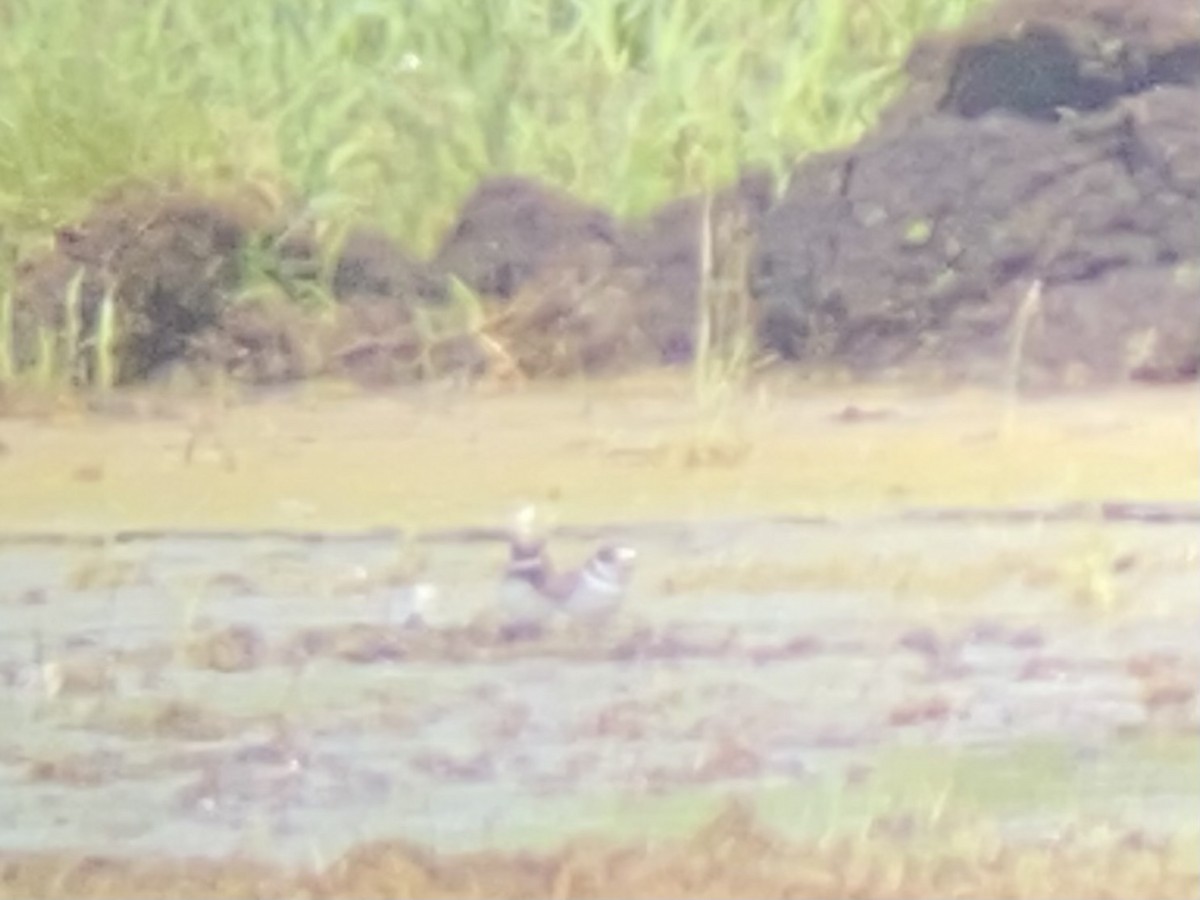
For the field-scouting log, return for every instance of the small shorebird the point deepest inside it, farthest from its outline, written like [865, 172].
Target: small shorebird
[523, 606]
[412, 605]
[533, 593]
[592, 594]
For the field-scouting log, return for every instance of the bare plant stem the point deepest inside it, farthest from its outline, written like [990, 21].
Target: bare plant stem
[1026, 313]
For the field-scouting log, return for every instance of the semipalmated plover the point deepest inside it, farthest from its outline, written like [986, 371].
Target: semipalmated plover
[411, 606]
[523, 607]
[533, 593]
[592, 594]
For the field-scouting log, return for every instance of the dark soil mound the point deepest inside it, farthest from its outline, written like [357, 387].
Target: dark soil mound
[366, 263]
[211, 284]
[389, 323]
[168, 259]
[1049, 143]
[581, 293]
[548, 268]
[572, 292]
[511, 228]
[666, 247]
[1045, 157]
[581, 315]
[1035, 57]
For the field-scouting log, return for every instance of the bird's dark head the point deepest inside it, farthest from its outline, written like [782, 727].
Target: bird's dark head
[617, 555]
[614, 563]
[527, 559]
[526, 552]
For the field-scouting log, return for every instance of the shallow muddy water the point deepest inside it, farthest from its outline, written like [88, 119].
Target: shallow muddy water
[206, 695]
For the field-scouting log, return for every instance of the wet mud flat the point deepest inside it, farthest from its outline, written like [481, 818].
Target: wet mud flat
[252, 695]
[868, 616]
[327, 456]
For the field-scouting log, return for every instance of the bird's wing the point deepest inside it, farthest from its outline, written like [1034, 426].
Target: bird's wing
[559, 586]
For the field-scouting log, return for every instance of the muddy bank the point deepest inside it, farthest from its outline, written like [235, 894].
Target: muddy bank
[1085, 864]
[623, 451]
[1032, 195]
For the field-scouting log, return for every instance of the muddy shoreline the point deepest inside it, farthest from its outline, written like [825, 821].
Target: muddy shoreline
[634, 451]
[1102, 512]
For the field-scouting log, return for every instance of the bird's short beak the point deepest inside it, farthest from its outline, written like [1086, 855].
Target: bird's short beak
[626, 555]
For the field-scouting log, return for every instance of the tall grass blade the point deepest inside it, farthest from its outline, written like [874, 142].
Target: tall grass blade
[8, 367]
[71, 327]
[106, 342]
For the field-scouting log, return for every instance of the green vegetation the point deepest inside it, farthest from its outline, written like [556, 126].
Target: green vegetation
[935, 792]
[392, 111]
[726, 335]
[62, 359]
[8, 366]
[389, 112]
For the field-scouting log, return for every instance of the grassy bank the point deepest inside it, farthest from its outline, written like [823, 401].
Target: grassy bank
[391, 111]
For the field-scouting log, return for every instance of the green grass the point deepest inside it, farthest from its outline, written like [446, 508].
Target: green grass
[726, 334]
[935, 788]
[392, 111]
[73, 358]
[388, 112]
[8, 366]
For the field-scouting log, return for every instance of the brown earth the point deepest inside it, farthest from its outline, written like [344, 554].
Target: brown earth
[1031, 198]
[331, 456]
[1045, 142]
[1035, 57]
[169, 260]
[733, 857]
